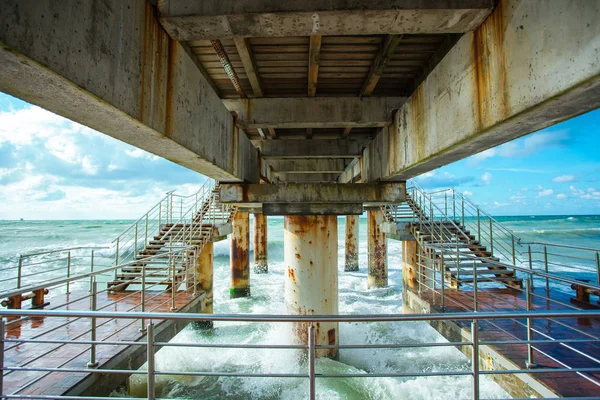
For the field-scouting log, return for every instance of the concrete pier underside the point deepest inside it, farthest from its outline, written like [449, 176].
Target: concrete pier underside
[311, 286]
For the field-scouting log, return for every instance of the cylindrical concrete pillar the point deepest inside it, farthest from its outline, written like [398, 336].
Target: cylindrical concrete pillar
[260, 244]
[378, 273]
[409, 265]
[311, 285]
[240, 255]
[351, 243]
[204, 275]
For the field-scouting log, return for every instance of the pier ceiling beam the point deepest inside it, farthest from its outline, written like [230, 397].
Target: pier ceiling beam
[316, 148]
[110, 65]
[195, 20]
[314, 112]
[309, 166]
[307, 193]
[511, 76]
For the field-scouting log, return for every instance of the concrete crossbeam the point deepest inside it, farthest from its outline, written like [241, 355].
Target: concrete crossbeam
[315, 148]
[308, 166]
[312, 209]
[377, 193]
[211, 19]
[512, 76]
[315, 112]
[109, 65]
[302, 177]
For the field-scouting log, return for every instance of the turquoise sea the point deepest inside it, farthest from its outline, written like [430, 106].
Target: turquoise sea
[267, 298]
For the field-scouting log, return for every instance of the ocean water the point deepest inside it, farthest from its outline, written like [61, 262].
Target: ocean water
[267, 298]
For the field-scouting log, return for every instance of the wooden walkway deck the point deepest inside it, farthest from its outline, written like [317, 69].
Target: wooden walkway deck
[573, 355]
[57, 355]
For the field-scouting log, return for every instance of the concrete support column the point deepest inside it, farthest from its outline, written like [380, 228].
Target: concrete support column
[311, 285]
[240, 255]
[204, 275]
[260, 244]
[351, 243]
[410, 267]
[378, 273]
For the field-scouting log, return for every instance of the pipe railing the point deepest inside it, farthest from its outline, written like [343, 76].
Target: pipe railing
[312, 374]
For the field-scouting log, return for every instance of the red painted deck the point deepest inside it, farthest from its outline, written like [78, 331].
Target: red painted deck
[72, 329]
[567, 384]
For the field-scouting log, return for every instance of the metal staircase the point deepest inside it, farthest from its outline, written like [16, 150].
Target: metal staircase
[176, 222]
[446, 237]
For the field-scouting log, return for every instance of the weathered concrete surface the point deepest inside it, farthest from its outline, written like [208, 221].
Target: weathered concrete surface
[351, 255]
[191, 20]
[530, 65]
[352, 173]
[516, 385]
[410, 266]
[315, 112]
[296, 177]
[393, 192]
[312, 209]
[204, 275]
[397, 231]
[109, 65]
[240, 255]
[377, 250]
[308, 166]
[261, 265]
[311, 285]
[315, 148]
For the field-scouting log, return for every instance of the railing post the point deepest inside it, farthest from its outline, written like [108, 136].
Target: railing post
[491, 236]
[514, 255]
[474, 286]
[135, 241]
[475, 358]
[478, 226]
[143, 296]
[19, 271]
[443, 267]
[530, 262]
[159, 215]
[463, 210]
[445, 203]
[173, 284]
[150, 360]
[453, 205]
[2, 329]
[93, 363]
[91, 270]
[146, 233]
[68, 271]
[312, 355]
[180, 208]
[457, 265]
[546, 269]
[530, 360]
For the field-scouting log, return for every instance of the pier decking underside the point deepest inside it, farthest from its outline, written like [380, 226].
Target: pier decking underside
[514, 356]
[68, 354]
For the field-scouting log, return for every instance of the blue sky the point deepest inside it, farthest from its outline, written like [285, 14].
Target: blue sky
[53, 168]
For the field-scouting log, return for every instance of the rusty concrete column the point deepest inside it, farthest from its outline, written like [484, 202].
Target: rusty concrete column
[204, 281]
[410, 266]
[240, 255]
[351, 243]
[260, 244]
[378, 273]
[311, 285]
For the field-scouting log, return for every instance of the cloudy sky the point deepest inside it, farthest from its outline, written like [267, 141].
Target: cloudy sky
[52, 168]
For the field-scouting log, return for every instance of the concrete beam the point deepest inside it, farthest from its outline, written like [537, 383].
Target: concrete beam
[312, 209]
[315, 148]
[315, 112]
[376, 193]
[512, 76]
[308, 166]
[109, 65]
[352, 172]
[210, 19]
[302, 177]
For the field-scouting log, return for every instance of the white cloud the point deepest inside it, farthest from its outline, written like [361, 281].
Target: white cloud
[486, 178]
[545, 192]
[561, 196]
[468, 193]
[576, 192]
[564, 178]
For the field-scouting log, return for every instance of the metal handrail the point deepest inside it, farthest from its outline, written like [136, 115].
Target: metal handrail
[63, 250]
[143, 216]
